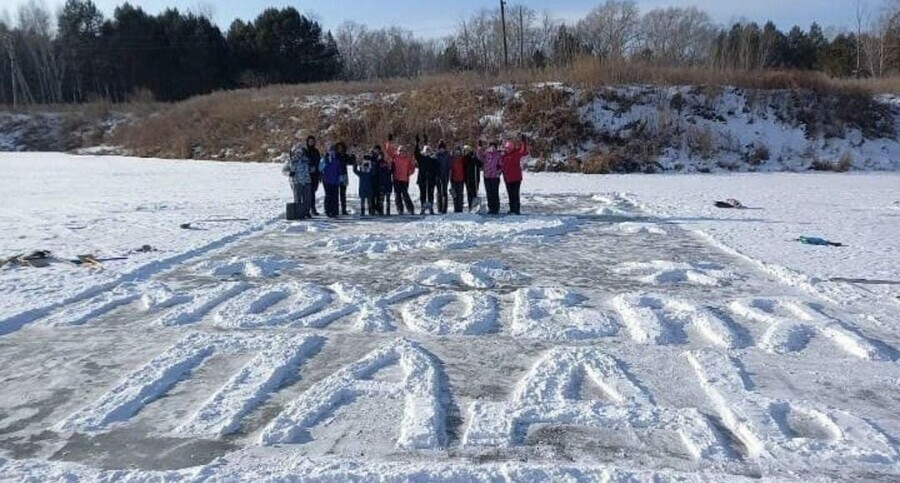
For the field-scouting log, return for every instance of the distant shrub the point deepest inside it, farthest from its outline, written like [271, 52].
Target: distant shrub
[757, 154]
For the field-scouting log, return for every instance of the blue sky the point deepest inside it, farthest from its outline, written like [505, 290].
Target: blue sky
[437, 18]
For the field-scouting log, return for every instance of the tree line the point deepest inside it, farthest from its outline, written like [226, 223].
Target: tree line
[170, 56]
[80, 55]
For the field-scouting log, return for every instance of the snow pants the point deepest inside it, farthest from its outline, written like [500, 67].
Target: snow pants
[472, 191]
[442, 195]
[492, 185]
[384, 203]
[457, 191]
[332, 200]
[314, 189]
[426, 194]
[377, 206]
[403, 199]
[370, 202]
[302, 199]
[515, 204]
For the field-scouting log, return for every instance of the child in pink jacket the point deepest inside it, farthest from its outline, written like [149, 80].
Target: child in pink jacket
[491, 158]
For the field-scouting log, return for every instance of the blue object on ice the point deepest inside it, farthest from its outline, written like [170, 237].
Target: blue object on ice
[820, 242]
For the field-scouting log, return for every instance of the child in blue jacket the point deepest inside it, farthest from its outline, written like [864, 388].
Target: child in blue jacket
[368, 175]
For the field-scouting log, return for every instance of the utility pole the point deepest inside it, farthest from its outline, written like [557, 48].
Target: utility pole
[859, 20]
[505, 42]
[521, 36]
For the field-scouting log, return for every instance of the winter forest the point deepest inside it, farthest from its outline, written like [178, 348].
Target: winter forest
[78, 54]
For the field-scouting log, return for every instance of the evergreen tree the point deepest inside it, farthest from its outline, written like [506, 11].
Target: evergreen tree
[839, 58]
[79, 27]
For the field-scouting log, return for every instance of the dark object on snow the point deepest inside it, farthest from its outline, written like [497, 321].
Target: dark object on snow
[43, 258]
[730, 203]
[190, 226]
[37, 259]
[819, 242]
[865, 281]
[291, 212]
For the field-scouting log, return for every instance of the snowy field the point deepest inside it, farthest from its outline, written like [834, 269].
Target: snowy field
[623, 330]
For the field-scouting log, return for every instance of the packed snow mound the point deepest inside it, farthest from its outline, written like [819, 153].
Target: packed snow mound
[266, 267]
[662, 272]
[453, 233]
[449, 273]
[453, 313]
[557, 313]
[634, 228]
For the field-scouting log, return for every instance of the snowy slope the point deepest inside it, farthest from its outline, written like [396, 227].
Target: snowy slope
[623, 330]
[731, 129]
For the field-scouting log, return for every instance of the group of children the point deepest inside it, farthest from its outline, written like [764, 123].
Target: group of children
[384, 171]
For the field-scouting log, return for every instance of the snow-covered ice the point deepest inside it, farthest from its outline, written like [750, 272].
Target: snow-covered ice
[624, 329]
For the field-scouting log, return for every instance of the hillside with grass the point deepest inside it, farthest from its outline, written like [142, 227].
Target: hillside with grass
[591, 117]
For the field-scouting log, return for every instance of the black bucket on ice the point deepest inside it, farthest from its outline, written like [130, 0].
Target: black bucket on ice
[291, 212]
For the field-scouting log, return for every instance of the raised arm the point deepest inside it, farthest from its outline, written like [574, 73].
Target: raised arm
[479, 152]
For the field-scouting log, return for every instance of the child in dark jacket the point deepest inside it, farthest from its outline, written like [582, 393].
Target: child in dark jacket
[385, 182]
[442, 178]
[428, 174]
[472, 166]
[367, 177]
[376, 156]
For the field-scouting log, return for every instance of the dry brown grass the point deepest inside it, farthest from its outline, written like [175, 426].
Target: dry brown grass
[257, 124]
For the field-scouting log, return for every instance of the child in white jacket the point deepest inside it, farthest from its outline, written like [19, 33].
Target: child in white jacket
[296, 168]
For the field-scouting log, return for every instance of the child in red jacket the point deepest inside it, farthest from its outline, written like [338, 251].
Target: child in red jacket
[511, 166]
[457, 178]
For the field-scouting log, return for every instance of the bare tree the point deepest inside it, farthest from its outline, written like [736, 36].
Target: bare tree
[677, 35]
[34, 45]
[611, 29]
